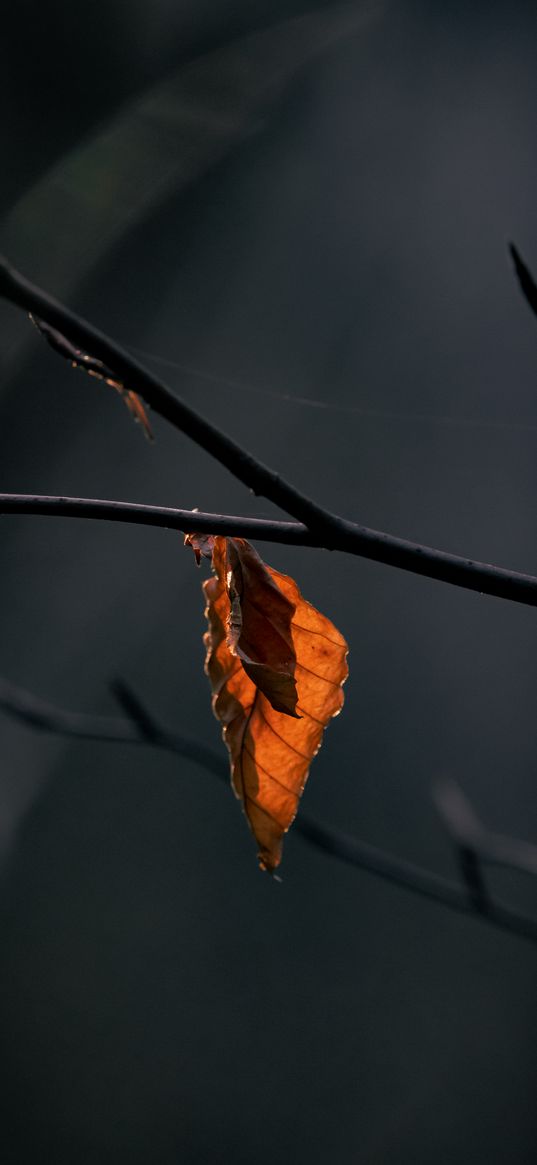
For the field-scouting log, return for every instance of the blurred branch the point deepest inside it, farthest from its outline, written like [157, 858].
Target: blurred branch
[140, 727]
[469, 833]
[325, 529]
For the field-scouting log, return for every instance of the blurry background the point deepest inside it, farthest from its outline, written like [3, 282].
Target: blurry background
[305, 211]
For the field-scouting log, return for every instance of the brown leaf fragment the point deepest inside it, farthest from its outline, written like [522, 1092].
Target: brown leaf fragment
[136, 408]
[96, 368]
[259, 620]
[201, 544]
[259, 626]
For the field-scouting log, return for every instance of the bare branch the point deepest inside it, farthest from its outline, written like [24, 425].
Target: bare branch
[325, 528]
[187, 521]
[410, 556]
[141, 727]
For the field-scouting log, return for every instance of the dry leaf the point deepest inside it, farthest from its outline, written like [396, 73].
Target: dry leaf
[276, 667]
[95, 368]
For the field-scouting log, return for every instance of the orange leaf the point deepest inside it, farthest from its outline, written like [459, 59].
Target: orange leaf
[96, 368]
[276, 667]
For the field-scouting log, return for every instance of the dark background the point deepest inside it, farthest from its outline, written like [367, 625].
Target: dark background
[307, 203]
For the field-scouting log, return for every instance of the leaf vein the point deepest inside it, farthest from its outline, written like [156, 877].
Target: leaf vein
[310, 631]
[262, 809]
[332, 683]
[282, 738]
[269, 774]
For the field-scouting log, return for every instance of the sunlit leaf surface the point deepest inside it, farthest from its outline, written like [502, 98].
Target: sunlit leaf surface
[276, 667]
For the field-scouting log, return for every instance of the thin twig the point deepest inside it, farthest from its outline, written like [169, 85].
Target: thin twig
[187, 521]
[410, 556]
[141, 727]
[325, 528]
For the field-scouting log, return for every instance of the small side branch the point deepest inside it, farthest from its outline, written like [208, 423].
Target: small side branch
[140, 727]
[164, 517]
